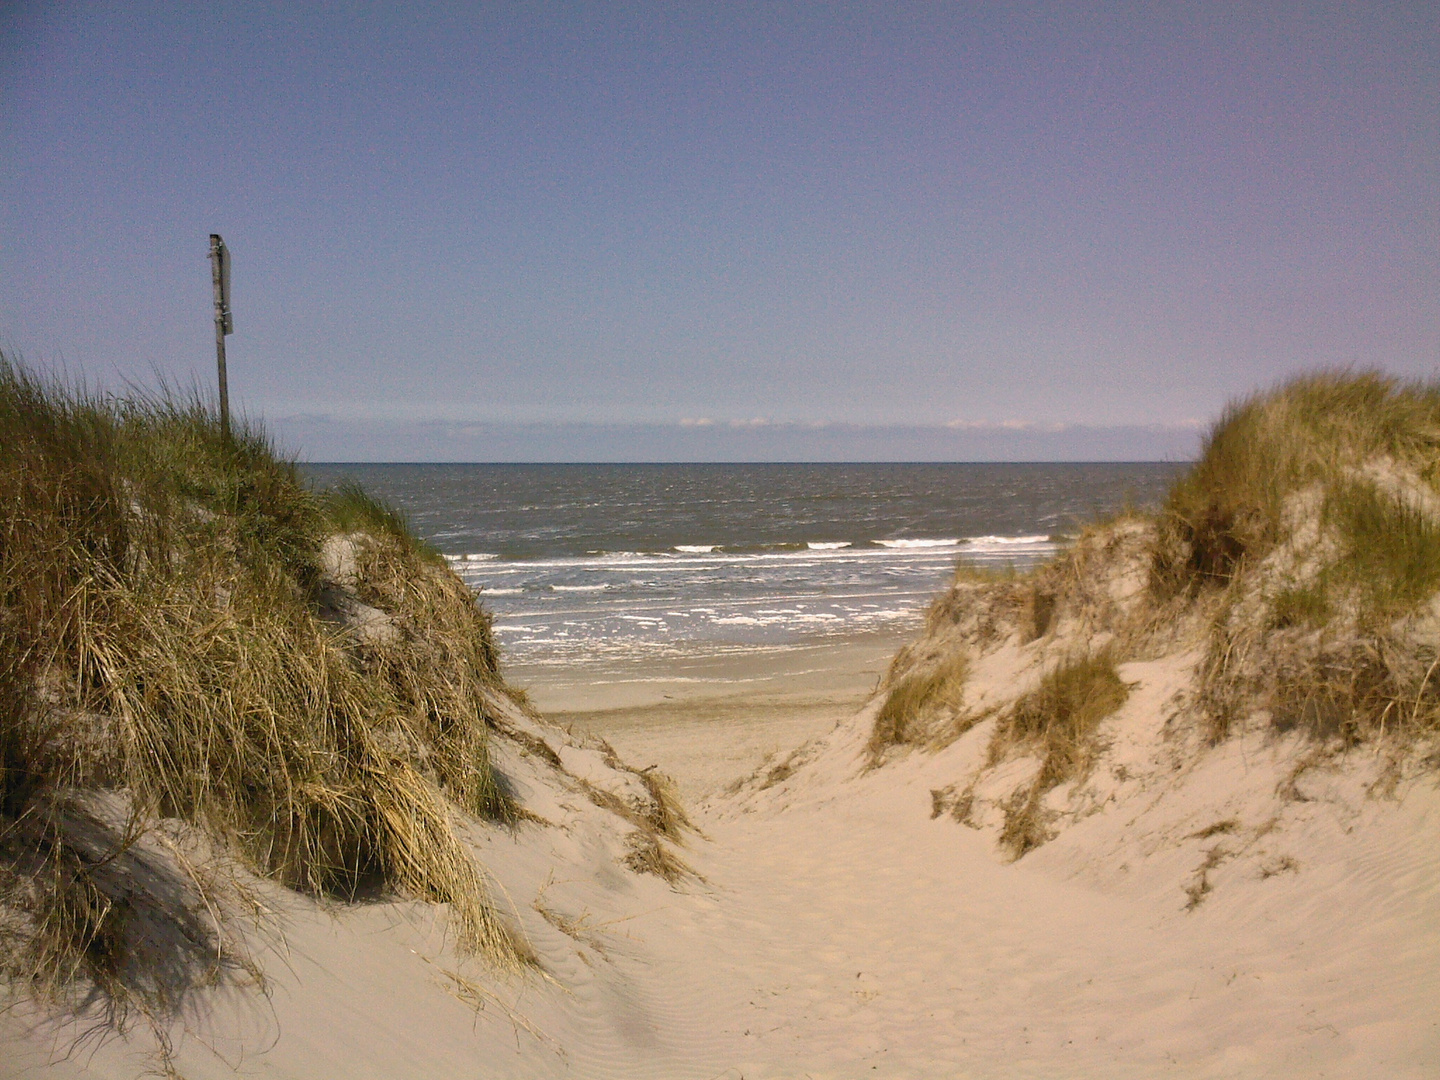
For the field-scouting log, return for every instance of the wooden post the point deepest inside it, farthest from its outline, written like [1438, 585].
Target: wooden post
[224, 324]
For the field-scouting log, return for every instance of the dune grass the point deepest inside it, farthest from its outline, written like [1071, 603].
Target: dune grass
[1354, 459]
[647, 855]
[916, 697]
[439, 666]
[1229, 508]
[349, 508]
[1306, 605]
[1392, 547]
[1059, 717]
[1057, 721]
[162, 657]
[967, 572]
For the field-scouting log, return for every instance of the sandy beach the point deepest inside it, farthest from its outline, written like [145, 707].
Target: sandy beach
[709, 721]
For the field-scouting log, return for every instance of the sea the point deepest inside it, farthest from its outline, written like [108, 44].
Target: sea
[606, 565]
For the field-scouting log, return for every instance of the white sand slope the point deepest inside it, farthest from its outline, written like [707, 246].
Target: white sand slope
[879, 941]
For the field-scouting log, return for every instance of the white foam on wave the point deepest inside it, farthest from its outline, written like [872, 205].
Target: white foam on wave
[950, 542]
[579, 588]
[503, 592]
[966, 541]
[827, 545]
[696, 549]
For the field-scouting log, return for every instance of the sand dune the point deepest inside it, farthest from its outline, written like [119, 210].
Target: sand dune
[841, 931]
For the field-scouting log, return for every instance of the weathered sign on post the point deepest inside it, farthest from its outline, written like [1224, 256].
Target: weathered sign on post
[224, 323]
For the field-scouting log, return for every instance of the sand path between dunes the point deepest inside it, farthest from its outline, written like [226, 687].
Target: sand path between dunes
[709, 720]
[861, 939]
[848, 935]
[841, 932]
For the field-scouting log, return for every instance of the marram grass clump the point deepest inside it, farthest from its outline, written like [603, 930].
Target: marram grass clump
[917, 699]
[1314, 512]
[165, 657]
[440, 655]
[1329, 430]
[1058, 722]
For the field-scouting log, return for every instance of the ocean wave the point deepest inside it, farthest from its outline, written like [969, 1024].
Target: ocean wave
[970, 542]
[754, 549]
[950, 542]
[685, 562]
[696, 549]
[503, 592]
[579, 588]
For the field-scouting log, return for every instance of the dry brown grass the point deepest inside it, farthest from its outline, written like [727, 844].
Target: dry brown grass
[1058, 722]
[667, 814]
[1228, 510]
[1324, 673]
[1025, 825]
[1200, 884]
[439, 665]
[916, 700]
[973, 573]
[1324, 651]
[1058, 719]
[647, 854]
[160, 638]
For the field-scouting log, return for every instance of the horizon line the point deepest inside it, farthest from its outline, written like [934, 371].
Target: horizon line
[870, 461]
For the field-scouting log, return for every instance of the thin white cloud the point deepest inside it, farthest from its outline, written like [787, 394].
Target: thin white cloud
[1005, 425]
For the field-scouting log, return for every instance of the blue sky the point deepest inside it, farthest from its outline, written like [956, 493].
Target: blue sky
[734, 231]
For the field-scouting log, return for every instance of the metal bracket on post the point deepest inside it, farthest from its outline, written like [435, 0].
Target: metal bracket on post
[224, 323]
